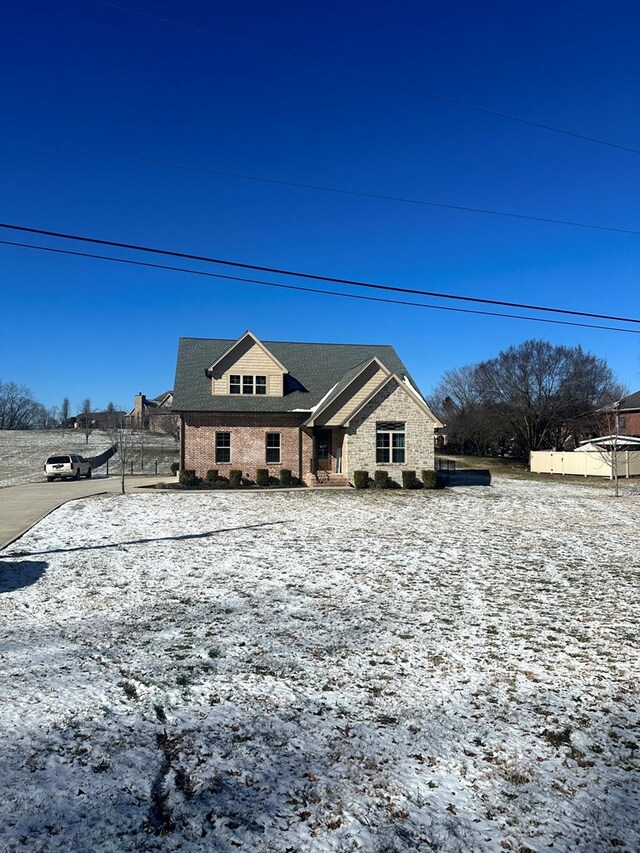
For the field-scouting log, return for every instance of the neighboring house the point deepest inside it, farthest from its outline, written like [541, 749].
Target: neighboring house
[155, 415]
[621, 417]
[321, 410]
[629, 415]
[98, 420]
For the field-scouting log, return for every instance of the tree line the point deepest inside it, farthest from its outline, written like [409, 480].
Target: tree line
[534, 396]
[20, 410]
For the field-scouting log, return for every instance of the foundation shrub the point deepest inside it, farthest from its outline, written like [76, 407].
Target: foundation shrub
[235, 478]
[188, 479]
[285, 477]
[410, 481]
[429, 479]
[212, 476]
[361, 479]
[262, 477]
[382, 479]
[220, 483]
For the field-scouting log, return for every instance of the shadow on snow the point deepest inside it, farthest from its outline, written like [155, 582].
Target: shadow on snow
[15, 576]
[184, 537]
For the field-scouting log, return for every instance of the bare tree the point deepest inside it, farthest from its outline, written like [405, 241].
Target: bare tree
[527, 395]
[167, 424]
[612, 442]
[470, 427]
[123, 437]
[64, 413]
[140, 438]
[86, 419]
[44, 418]
[17, 406]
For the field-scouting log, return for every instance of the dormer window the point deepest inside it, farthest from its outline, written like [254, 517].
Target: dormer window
[247, 384]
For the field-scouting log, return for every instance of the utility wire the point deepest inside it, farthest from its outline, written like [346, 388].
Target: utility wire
[357, 75]
[314, 289]
[311, 276]
[317, 187]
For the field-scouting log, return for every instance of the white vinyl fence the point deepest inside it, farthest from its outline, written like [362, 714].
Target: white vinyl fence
[586, 463]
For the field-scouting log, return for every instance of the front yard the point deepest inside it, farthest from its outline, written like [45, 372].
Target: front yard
[305, 671]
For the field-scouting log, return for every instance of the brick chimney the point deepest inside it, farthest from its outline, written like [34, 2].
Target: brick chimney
[138, 408]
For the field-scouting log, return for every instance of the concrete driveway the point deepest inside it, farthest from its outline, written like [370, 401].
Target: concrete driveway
[23, 506]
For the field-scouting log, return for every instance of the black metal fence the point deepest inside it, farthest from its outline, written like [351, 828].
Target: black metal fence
[445, 464]
[152, 466]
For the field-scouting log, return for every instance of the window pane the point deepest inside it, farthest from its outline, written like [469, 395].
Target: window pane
[261, 384]
[247, 384]
[398, 446]
[273, 447]
[223, 447]
[382, 447]
[234, 384]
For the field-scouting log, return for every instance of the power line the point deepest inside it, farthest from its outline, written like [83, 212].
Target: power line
[318, 187]
[357, 75]
[295, 287]
[312, 276]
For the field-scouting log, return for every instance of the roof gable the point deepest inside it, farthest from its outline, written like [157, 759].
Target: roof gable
[405, 386]
[359, 378]
[240, 348]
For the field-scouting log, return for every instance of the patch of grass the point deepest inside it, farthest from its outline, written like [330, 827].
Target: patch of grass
[130, 690]
[559, 737]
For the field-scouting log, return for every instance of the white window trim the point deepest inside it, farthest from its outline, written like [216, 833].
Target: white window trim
[253, 377]
[391, 433]
[216, 448]
[267, 448]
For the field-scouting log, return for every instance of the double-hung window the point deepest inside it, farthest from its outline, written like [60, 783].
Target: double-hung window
[223, 447]
[273, 447]
[390, 442]
[234, 384]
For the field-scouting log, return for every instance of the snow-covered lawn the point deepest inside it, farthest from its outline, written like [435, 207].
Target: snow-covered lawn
[24, 452]
[306, 671]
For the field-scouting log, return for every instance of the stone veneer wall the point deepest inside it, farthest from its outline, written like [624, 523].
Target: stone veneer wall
[392, 403]
[248, 443]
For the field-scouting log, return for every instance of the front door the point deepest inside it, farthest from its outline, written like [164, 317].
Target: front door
[323, 449]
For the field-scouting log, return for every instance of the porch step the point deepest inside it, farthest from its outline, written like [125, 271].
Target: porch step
[335, 481]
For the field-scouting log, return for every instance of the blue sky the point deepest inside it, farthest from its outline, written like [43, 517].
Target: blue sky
[89, 76]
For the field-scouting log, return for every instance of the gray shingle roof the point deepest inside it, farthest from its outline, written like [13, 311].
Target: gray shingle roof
[314, 369]
[630, 402]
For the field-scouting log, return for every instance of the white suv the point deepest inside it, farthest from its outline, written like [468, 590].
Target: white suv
[67, 467]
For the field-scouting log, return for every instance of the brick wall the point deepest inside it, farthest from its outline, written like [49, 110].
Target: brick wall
[248, 442]
[392, 403]
[631, 423]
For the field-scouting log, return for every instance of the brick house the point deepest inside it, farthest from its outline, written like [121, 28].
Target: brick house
[320, 410]
[629, 415]
[155, 415]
